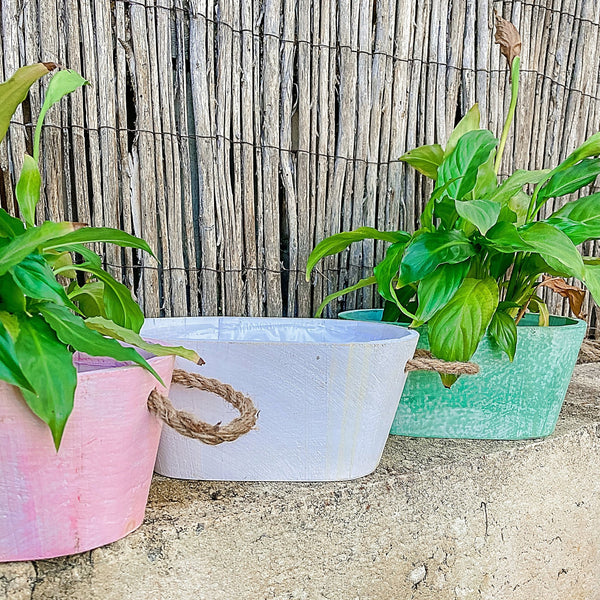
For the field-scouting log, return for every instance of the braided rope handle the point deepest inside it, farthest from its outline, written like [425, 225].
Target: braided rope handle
[188, 425]
[423, 361]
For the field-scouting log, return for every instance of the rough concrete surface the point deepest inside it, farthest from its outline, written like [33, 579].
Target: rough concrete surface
[439, 519]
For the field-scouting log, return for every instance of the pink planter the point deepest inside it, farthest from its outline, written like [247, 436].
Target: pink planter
[94, 490]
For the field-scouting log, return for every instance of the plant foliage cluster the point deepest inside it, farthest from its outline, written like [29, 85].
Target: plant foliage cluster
[474, 265]
[43, 322]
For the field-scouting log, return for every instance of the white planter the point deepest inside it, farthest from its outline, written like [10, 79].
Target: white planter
[327, 392]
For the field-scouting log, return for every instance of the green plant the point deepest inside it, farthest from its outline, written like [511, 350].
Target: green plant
[474, 265]
[42, 322]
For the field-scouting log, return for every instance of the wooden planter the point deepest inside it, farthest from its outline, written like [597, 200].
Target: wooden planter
[93, 491]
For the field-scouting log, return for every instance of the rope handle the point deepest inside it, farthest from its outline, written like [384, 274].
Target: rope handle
[424, 361]
[188, 425]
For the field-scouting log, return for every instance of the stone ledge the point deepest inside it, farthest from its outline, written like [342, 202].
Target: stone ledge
[439, 519]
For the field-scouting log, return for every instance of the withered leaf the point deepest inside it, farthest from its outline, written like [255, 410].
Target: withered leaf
[574, 294]
[509, 39]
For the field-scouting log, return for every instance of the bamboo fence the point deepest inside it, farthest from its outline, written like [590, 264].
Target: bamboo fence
[235, 135]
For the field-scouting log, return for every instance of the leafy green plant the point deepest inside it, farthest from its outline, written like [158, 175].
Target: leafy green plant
[43, 322]
[474, 265]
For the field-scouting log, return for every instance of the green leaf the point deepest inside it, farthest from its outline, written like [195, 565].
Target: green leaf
[504, 237]
[72, 330]
[437, 289]
[357, 286]
[23, 245]
[569, 180]
[340, 241]
[470, 122]
[425, 159]
[28, 189]
[108, 328]
[119, 305]
[427, 214]
[554, 247]
[518, 204]
[89, 256]
[48, 364]
[90, 298]
[482, 213]
[391, 313]
[513, 184]
[487, 181]
[12, 297]
[61, 84]
[9, 225]
[503, 332]
[10, 370]
[431, 249]
[592, 281]
[11, 322]
[472, 150]
[591, 147]
[36, 279]
[86, 235]
[456, 329]
[579, 219]
[15, 90]
[387, 270]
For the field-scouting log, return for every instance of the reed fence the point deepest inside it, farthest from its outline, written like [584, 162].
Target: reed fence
[234, 135]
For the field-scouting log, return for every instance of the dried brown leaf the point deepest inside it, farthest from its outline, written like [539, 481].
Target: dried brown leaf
[574, 295]
[509, 39]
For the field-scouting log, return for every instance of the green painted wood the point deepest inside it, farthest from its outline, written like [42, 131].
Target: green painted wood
[506, 401]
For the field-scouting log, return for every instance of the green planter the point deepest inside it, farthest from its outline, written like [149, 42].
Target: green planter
[504, 401]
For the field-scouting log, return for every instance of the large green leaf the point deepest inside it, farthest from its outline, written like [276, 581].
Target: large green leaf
[36, 279]
[10, 370]
[12, 298]
[470, 122]
[456, 329]
[503, 332]
[27, 190]
[23, 245]
[579, 219]
[482, 213]
[9, 225]
[73, 331]
[48, 364]
[591, 147]
[425, 159]
[472, 150]
[554, 247]
[85, 235]
[15, 90]
[513, 184]
[437, 289]
[352, 288]
[387, 270]
[340, 241]
[61, 84]
[110, 329]
[431, 249]
[119, 305]
[571, 179]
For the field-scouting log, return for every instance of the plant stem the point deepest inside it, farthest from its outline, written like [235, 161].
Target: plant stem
[514, 93]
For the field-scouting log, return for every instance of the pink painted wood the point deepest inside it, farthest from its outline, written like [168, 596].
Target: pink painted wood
[94, 490]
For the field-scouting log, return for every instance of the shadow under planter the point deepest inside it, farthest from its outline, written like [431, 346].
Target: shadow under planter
[505, 400]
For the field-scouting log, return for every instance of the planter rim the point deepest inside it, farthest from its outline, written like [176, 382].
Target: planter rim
[571, 321]
[93, 364]
[390, 337]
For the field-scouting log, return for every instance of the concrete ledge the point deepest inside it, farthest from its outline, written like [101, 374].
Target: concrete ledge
[437, 520]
